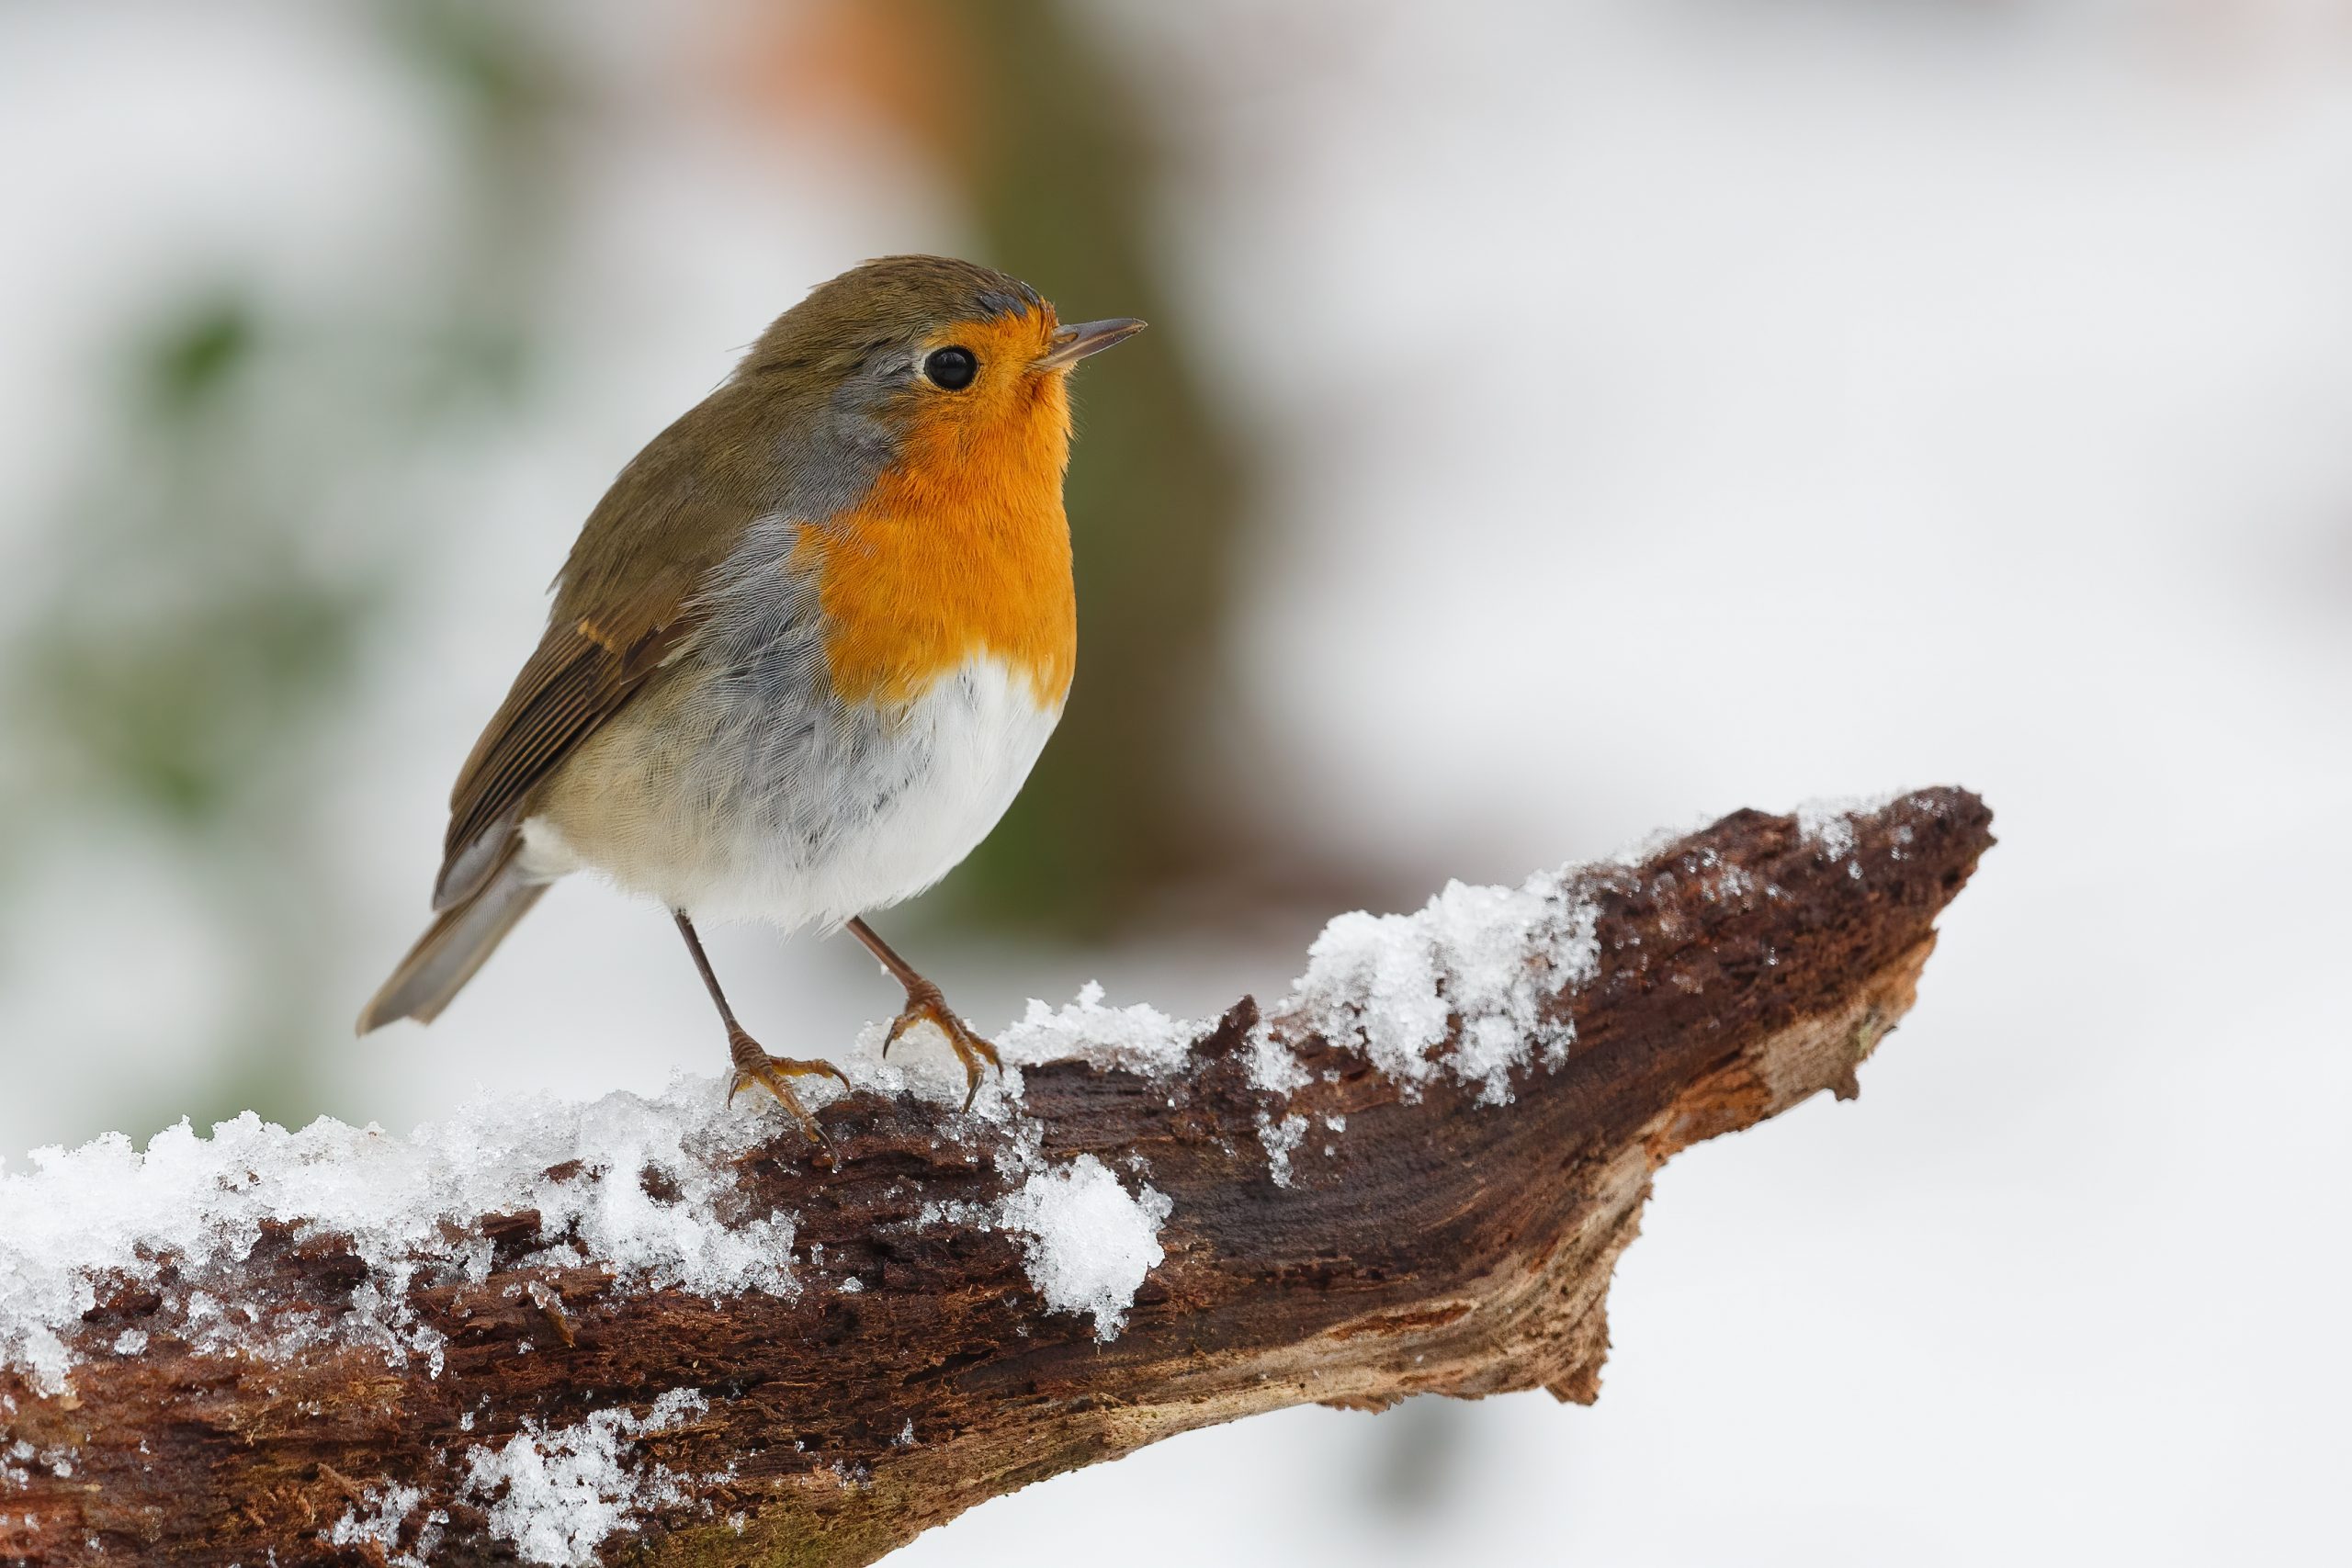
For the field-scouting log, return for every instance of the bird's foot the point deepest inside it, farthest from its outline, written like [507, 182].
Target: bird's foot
[775, 1073]
[926, 1005]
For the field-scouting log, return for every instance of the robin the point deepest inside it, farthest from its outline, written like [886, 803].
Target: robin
[805, 652]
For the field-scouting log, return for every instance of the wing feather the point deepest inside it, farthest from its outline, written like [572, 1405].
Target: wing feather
[626, 601]
[570, 687]
[594, 659]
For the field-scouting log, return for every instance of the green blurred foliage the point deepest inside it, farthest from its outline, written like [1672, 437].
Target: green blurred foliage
[188, 640]
[185, 662]
[192, 664]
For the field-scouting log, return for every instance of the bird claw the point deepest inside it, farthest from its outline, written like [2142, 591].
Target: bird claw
[775, 1073]
[926, 1004]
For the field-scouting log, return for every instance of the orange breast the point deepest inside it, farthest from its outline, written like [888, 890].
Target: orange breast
[961, 548]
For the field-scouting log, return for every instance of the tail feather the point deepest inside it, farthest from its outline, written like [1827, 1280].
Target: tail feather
[454, 946]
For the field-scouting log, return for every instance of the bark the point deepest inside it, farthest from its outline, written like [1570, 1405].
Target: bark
[1442, 1244]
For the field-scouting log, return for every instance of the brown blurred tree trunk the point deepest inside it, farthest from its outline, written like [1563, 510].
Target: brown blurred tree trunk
[1063, 167]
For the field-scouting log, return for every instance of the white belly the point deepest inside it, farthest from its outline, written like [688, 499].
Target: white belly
[729, 805]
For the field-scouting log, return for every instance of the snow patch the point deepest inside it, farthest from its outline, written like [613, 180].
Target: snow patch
[1089, 1242]
[377, 1519]
[1280, 1138]
[1273, 1067]
[558, 1494]
[1138, 1038]
[106, 1215]
[1829, 824]
[1488, 957]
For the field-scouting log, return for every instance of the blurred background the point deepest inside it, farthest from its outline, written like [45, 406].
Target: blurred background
[1560, 421]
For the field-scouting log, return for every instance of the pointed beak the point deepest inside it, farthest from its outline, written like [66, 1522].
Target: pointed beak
[1070, 344]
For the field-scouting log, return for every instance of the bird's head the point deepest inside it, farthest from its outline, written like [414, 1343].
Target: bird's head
[945, 362]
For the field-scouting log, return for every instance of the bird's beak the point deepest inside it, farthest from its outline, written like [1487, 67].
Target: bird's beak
[1070, 344]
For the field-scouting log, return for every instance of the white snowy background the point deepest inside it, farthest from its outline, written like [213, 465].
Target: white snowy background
[1671, 407]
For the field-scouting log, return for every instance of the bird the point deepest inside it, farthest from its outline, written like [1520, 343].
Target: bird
[804, 652]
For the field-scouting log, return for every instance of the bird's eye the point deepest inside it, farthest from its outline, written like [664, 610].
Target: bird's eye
[951, 368]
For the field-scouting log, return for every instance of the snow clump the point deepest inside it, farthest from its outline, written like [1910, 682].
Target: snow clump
[1089, 1242]
[1139, 1039]
[1491, 957]
[558, 1494]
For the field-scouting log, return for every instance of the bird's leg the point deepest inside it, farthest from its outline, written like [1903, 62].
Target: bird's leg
[924, 1001]
[753, 1065]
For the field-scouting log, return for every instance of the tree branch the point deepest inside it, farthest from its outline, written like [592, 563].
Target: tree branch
[660, 1331]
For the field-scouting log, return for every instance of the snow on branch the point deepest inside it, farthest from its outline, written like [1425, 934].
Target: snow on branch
[657, 1330]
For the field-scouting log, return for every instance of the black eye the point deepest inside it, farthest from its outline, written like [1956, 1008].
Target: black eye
[951, 368]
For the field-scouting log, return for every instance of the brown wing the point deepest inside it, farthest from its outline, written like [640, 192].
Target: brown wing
[585, 669]
[625, 600]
